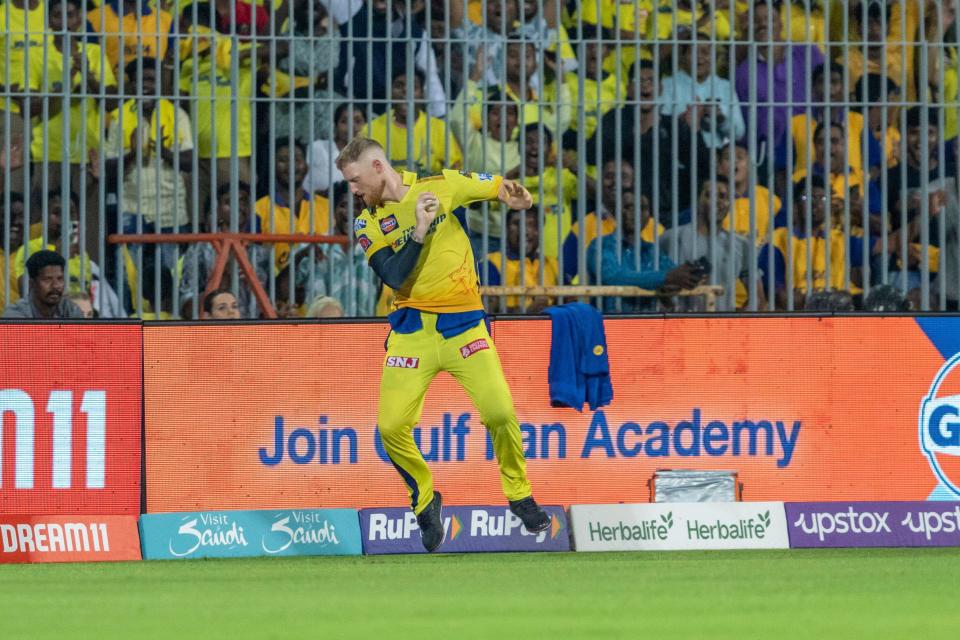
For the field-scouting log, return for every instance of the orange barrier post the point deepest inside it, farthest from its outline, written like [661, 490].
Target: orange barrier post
[224, 244]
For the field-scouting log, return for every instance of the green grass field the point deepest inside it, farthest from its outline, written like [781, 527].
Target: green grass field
[886, 593]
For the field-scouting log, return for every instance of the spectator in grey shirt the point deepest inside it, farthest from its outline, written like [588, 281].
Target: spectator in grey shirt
[45, 299]
[728, 257]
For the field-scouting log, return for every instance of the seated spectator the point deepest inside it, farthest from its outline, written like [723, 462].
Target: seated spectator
[943, 73]
[538, 99]
[300, 79]
[360, 56]
[15, 214]
[672, 15]
[289, 208]
[84, 303]
[911, 188]
[322, 174]
[847, 184]
[829, 301]
[637, 118]
[617, 177]
[390, 130]
[336, 271]
[619, 264]
[602, 91]
[518, 267]
[540, 25]
[214, 93]
[833, 107]
[827, 249]
[200, 258]
[23, 36]
[220, 304]
[728, 256]
[69, 56]
[559, 187]
[79, 263]
[45, 299]
[325, 307]
[879, 96]
[628, 20]
[889, 53]
[493, 149]
[697, 82]
[158, 290]
[501, 21]
[765, 204]
[137, 27]
[150, 149]
[770, 57]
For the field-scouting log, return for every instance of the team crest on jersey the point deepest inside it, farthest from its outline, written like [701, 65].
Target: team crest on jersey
[389, 224]
[468, 350]
[359, 224]
[485, 177]
[364, 241]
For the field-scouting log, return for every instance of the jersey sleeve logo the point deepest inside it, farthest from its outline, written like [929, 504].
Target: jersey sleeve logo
[359, 224]
[364, 241]
[485, 177]
[389, 224]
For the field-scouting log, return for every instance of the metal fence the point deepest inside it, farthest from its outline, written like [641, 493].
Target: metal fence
[800, 154]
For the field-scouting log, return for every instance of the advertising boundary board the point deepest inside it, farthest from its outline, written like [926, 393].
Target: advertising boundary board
[281, 435]
[75, 538]
[71, 418]
[679, 526]
[244, 534]
[469, 529]
[873, 524]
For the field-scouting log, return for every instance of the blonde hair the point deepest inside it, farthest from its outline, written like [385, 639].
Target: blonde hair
[355, 150]
[322, 302]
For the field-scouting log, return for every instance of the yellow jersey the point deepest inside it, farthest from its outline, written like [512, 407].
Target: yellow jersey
[25, 32]
[146, 36]
[444, 279]
[429, 148]
[275, 217]
[85, 132]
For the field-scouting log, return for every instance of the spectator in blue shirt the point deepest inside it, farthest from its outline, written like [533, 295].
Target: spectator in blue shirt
[621, 264]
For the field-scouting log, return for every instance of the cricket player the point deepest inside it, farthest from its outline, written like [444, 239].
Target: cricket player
[418, 248]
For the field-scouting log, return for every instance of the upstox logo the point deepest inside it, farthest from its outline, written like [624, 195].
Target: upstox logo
[826, 524]
[940, 429]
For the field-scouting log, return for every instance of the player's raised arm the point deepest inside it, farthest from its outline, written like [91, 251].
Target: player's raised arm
[515, 195]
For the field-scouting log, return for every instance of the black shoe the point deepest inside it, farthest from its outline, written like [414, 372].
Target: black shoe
[431, 524]
[534, 518]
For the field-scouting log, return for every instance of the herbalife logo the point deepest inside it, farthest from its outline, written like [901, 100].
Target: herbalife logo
[652, 529]
[752, 529]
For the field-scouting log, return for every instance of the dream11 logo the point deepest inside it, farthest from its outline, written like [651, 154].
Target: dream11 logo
[940, 429]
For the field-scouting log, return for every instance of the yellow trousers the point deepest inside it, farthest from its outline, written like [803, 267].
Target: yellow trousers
[411, 363]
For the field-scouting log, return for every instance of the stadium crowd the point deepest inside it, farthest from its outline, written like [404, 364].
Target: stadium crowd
[801, 154]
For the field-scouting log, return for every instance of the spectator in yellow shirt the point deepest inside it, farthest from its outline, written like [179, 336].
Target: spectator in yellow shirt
[559, 186]
[22, 37]
[521, 267]
[15, 215]
[289, 208]
[602, 91]
[426, 152]
[138, 27]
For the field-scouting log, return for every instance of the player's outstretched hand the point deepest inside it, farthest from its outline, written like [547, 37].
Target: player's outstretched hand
[515, 195]
[427, 207]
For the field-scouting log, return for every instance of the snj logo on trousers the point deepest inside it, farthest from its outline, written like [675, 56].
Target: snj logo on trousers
[940, 428]
[403, 362]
